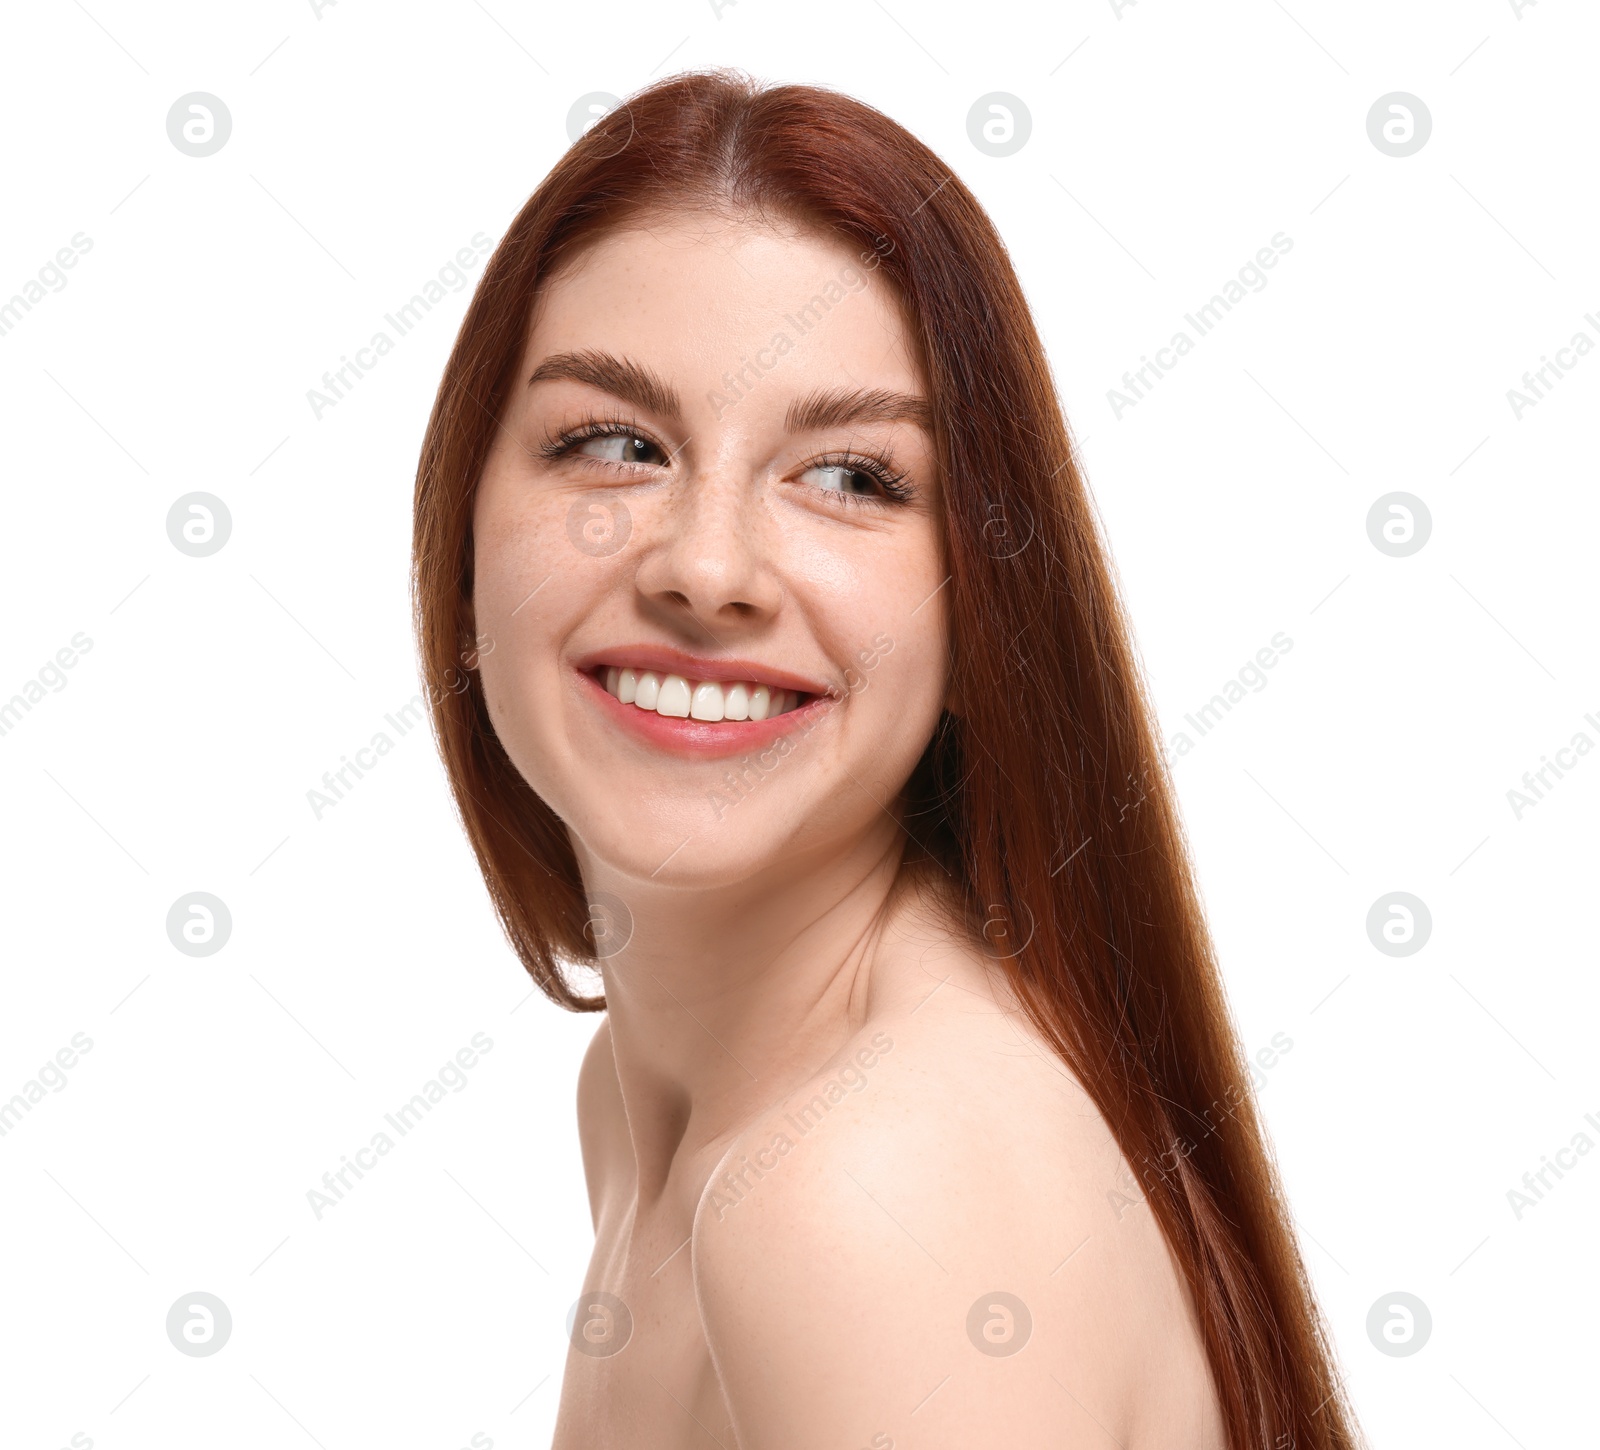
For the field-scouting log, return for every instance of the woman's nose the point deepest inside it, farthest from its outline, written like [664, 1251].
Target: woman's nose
[713, 558]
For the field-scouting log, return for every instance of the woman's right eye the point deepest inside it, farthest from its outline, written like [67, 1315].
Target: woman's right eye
[622, 448]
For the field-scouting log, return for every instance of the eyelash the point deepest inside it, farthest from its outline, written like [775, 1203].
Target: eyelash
[895, 488]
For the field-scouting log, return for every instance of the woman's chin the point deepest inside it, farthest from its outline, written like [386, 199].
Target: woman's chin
[698, 852]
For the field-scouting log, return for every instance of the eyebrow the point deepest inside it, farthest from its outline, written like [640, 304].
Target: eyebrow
[823, 408]
[620, 377]
[842, 406]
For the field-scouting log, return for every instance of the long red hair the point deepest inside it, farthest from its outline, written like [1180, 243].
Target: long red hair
[1047, 812]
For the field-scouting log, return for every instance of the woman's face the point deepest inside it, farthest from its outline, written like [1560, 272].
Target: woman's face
[708, 562]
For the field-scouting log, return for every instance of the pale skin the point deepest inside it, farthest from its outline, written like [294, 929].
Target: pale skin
[797, 1277]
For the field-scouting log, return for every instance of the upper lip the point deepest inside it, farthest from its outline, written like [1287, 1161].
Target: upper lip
[665, 660]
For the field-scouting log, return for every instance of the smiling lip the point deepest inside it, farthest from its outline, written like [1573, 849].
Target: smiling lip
[665, 660]
[697, 737]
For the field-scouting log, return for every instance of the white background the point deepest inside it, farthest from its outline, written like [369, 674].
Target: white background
[1169, 143]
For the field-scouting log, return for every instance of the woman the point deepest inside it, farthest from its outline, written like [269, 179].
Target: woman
[780, 680]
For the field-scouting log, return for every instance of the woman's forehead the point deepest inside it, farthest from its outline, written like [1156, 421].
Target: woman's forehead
[703, 294]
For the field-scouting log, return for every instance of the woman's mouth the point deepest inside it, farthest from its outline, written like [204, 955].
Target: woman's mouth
[699, 717]
[711, 701]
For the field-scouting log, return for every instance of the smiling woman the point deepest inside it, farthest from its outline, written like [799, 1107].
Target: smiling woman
[903, 1124]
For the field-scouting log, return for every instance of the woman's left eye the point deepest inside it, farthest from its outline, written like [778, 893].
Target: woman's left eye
[839, 479]
[622, 448]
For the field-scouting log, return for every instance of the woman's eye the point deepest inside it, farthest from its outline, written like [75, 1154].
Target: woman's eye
[622, 448]
[838, 478]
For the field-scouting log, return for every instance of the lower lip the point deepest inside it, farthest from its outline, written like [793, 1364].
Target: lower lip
[701, 738]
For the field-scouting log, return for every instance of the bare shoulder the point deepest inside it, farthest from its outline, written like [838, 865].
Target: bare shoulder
[939, 1224]
[602, 1121]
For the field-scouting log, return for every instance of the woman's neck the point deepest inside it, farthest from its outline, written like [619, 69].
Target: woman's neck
[724, 999]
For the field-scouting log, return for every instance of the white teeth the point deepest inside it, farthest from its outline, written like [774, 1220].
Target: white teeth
[711, 701]
[707, 702]
[674, 697]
